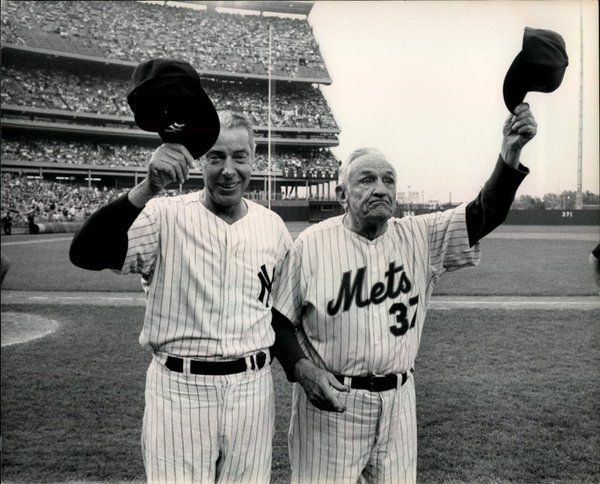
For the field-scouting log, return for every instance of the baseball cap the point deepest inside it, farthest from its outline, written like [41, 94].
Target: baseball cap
[540, 66]
[166, 96]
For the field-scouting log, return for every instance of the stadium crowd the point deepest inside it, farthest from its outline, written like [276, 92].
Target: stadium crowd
[297, 106]
[43, 88]
[115, 154]
[74, 152]
[29, 199]
[308, 163]
[135, 31]
[49, 201]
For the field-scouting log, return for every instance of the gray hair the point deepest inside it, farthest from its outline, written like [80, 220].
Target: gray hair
[231, 120]
[345, 168]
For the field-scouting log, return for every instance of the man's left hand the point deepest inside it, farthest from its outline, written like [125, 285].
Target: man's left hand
[518, 130]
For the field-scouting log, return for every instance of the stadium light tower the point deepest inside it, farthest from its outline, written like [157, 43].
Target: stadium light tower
[579, 196]
[269, 128]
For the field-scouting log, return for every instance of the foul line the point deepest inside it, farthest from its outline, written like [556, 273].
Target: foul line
[437, 302]
[55, 239]
[527, 303]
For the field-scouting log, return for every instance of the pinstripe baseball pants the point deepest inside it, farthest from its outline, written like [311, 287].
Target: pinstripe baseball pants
[204, 428]
[374, 440]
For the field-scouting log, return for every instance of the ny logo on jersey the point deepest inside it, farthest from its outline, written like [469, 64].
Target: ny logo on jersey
[175, 127]
[352, 290]
[266, 283]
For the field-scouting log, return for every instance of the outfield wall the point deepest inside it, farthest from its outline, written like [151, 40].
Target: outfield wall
[304, 211]
[289, 210]
[322, 210]
[553, 217]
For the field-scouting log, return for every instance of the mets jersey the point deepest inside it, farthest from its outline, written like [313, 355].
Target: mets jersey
[360, 304]
[208, 283]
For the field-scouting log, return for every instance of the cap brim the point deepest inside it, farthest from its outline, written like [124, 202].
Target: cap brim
[201, 128]
[514, 88]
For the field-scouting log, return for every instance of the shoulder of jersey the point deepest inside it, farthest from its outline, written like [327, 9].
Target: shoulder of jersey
[264, 211]
[408, 219]
[411, 223]
[183, 199]
[331, 224]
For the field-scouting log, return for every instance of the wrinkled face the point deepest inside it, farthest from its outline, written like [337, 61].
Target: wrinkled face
[227, 167]
[369, 195]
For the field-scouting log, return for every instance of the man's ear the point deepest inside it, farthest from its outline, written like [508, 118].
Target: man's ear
[340, 194]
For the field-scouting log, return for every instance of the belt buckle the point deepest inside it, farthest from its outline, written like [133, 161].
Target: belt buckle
[255, 361]
[374, 380]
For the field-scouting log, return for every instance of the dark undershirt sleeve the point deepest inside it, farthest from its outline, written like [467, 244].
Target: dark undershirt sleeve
[101, 243]
[286, 349]
[484, 214]
[490, 207]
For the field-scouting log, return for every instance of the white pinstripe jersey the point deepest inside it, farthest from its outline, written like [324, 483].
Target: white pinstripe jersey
[208, 283]
[361, 303]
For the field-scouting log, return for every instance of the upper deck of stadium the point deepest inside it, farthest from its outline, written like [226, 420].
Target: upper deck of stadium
[66, 66]
[121, 34]
[281, 6]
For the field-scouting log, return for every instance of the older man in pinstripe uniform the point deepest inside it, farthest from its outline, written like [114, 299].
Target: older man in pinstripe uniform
[356, 289]
[207, 260]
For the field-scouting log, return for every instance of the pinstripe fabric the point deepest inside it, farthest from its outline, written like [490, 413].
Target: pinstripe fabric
[202, 277]
[208, 287]
[202, 428]
[360, 306]
[359, 340]
[374, 440]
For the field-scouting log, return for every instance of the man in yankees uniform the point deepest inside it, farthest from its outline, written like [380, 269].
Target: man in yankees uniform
[207, 259]
[356, 288]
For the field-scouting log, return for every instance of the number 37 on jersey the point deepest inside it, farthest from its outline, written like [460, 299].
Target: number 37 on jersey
[352, 291]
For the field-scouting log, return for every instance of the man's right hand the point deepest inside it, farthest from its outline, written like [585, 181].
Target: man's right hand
[319, 386]
[169, 163]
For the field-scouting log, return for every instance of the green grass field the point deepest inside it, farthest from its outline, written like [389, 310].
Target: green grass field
[548, 265]
[502, 397]
[509, 395]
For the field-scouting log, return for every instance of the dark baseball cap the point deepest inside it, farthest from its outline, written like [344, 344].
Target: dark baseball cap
[540, 66]
[166, 96]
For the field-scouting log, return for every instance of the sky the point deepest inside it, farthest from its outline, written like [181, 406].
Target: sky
[422, 81]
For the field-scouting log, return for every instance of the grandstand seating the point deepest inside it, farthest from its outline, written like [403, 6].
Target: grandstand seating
[56, 201]
[297, 106]
[50, 201]
[135, 31]
[45, 150]
[67, 116]
[123, 154]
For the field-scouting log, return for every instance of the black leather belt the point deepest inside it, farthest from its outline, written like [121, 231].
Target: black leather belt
[198, 367]
[375, 383]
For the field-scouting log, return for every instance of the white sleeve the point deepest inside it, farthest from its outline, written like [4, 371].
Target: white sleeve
[449, 248]
[142, 242]
[284, 244]
[288, 296]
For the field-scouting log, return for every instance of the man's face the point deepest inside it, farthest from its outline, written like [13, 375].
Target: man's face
[370, 192]
[227, 167]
